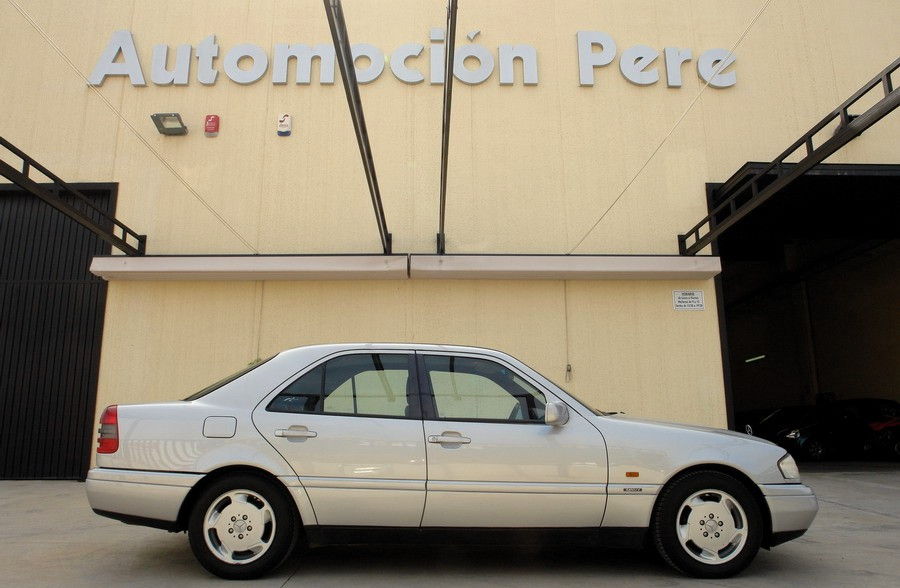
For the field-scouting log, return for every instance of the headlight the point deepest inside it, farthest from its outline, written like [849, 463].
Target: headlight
[788, 467]
[793, 434]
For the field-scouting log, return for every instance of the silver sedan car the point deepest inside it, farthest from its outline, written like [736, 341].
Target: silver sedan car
[360, 443]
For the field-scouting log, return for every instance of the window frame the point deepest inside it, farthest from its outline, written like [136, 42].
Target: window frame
[429, 405]
[415, 400]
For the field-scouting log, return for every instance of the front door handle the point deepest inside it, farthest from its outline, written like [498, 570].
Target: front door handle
[295, 432]
[449, 437]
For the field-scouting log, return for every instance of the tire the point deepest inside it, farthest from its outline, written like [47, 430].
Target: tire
[816, 450]
[696, 502]
[242, 527]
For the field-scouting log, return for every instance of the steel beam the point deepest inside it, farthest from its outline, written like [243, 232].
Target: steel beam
[344, 56]
[449, 56]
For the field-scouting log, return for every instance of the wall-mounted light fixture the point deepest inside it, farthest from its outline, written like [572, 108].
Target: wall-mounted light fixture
[169, 123]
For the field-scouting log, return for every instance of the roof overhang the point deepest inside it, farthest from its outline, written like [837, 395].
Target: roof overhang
[251, 267]
[400, 267]
[563, 267]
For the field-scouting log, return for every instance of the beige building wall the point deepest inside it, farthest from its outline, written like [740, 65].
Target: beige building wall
[628, 349]
[532, 168]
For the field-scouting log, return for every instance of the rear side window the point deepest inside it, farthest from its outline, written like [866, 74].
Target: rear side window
[369, 384]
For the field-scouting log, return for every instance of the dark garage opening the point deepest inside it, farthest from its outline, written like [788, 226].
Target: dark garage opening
[51, 325]
[811, 316]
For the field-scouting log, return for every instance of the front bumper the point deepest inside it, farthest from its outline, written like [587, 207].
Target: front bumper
[792, 506]
[139, 497]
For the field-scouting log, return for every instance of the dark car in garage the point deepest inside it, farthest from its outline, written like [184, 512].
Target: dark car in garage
[862, 428]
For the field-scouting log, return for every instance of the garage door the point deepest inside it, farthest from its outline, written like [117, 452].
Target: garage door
[51, 320]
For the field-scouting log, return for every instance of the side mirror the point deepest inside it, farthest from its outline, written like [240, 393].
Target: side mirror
[556, 414]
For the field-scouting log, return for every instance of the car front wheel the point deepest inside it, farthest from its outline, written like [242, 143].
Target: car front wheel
[242, 527]
[707, 524]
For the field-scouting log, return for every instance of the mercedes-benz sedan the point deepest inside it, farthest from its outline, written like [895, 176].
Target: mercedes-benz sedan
[367, 442]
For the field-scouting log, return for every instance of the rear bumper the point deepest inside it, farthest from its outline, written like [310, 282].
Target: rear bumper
[792, 506]
[139, 497]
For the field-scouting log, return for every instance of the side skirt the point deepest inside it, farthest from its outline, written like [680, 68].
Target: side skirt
[627, 537]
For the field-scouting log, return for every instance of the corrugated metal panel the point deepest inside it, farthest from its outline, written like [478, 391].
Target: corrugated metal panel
[51, 323]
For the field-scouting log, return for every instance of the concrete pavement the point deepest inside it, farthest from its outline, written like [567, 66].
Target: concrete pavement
[51, 538]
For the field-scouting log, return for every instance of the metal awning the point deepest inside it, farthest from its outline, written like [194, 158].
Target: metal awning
[402, 267]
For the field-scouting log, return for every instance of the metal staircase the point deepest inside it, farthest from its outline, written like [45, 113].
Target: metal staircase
[743, 193]
[70, 202]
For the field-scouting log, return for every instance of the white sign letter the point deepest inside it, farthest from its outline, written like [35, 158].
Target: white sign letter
[674, 58]
[634, 62]
[473, 76]
[711, 65]
[528, 55]
[437, 56]
[398, 63]
[304, 55]
[258, 66]
[207, 50]
[179, 75]
[587, 59]
[376, 62]
[120, 42]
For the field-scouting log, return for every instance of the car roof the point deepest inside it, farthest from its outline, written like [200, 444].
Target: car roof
[335, 347]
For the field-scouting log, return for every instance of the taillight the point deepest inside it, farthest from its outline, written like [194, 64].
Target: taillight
[108, 441]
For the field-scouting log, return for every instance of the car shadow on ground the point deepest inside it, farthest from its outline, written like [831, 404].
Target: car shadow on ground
[462, 561]
[168, 559]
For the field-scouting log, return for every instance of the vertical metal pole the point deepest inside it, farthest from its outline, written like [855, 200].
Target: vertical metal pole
[450, 40]
[344, 57]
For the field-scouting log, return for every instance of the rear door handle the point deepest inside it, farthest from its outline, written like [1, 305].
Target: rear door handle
[296, 431]
[449, 437]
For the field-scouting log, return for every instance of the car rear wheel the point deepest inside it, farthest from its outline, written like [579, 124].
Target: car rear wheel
[707, 524]
[242, 527]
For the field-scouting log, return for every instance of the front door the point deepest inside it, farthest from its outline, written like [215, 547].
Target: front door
[493, 462]
[351, 429]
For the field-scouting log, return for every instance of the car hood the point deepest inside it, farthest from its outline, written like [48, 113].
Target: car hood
[681, 427]
[658, 450]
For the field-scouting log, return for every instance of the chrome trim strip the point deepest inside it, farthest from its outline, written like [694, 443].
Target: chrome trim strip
[516, 487]
[362, 483]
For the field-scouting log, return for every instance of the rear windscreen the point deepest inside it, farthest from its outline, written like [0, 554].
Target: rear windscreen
[227, 379]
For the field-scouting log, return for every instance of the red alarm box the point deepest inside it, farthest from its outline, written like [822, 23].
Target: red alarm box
[211, 125]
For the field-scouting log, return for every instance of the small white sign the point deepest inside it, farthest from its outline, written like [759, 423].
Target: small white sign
[688, 300]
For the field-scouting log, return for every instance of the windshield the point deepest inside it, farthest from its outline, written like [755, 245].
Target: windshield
[596, 411]
[228, 379]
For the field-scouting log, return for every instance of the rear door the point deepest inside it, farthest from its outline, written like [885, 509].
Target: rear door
[351, 429]
[493, 462]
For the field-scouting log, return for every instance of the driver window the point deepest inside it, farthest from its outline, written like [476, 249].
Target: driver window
[466, 388]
